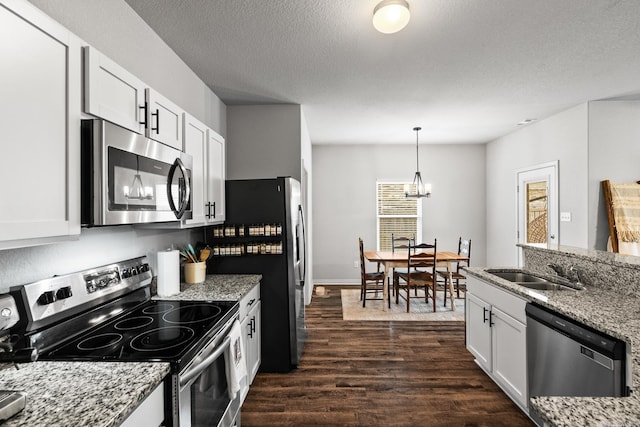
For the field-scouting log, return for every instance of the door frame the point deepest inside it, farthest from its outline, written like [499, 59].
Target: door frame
[545, 171]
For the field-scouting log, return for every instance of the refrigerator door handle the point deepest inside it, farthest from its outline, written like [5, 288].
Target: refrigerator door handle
[300, 237]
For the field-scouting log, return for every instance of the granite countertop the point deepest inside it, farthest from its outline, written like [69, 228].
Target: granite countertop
[103, 393]
[613, 313]
[217, 287]
[80, 393]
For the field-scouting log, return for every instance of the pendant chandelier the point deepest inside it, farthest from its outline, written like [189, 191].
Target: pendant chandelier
[421, 189]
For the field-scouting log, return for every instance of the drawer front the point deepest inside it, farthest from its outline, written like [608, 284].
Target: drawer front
[249, 301]
[506, 301]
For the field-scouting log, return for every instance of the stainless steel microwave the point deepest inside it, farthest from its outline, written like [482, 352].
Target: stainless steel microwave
[130, 179]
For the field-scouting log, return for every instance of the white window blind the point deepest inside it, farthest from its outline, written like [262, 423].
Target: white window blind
[396, 214]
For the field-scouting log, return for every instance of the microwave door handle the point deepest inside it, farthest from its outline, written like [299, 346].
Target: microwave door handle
[194, 371]
[187, 188]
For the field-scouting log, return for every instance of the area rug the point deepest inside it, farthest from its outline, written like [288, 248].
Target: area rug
[420, 311]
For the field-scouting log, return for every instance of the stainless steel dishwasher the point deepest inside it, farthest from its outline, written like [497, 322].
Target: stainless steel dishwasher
[566, 358]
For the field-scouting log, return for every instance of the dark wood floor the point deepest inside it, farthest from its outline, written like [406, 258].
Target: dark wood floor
[379, 374]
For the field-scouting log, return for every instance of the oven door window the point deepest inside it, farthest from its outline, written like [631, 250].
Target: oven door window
[205, 402]
[209, 395]
[137, 182]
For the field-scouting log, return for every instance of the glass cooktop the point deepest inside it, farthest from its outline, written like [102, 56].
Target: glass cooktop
[160, 330]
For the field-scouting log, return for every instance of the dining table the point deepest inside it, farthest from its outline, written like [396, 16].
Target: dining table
[392, 259]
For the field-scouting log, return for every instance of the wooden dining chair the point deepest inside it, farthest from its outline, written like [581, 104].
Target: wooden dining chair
[399, 244]
[421, 273]
[458, 277]
[370, 282]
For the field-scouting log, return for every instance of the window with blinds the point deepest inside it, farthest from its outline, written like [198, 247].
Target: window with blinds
[396, 214]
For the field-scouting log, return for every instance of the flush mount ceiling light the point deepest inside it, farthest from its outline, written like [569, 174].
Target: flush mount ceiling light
[421, 190]
[390, 16]
[525, 122]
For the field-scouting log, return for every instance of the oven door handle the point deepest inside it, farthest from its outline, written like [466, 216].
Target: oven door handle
[196, 370]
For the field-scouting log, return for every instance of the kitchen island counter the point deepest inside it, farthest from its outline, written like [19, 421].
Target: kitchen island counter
[614, 313]
[80, 393]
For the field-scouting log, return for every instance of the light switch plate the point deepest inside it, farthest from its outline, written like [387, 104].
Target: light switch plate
[565, 216]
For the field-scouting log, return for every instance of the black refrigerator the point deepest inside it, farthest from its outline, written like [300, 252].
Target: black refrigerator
[264, 234]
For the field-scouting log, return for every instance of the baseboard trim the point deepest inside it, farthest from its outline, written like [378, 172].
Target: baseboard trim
[330, 282]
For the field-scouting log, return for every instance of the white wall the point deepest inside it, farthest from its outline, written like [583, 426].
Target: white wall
[263, 141]
[307, 188]
[116, 30]
[344, 206]
[266, 141]
[614, 154]
[562, 137]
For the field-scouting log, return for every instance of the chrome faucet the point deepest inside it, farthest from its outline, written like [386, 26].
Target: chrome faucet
[577, 278]
[558, 269]
[573, 277]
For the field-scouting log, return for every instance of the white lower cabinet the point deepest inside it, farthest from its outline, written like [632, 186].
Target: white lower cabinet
[150, 412]
[251, 333]
[496, 336]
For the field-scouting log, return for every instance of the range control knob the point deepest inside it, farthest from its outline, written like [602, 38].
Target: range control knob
[64, 293]
[125, 273]
[144, 268]
[47, 298]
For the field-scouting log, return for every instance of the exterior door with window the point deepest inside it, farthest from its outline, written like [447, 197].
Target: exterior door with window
[537, 199]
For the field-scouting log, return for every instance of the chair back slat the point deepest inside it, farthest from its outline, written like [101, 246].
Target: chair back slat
[464, 248]
[401, 243]
[422, 255]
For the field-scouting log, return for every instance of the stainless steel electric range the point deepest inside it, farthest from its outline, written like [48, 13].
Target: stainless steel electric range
[107, 314]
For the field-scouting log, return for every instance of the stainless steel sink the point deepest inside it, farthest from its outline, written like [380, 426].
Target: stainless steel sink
[529, 281]
[519, 277]
[544, 286]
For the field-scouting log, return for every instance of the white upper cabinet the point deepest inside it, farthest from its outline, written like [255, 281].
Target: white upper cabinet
[207, 175]
[216, 176]
[164, 120]
[195, 144]
[40, 123]
[113, 93]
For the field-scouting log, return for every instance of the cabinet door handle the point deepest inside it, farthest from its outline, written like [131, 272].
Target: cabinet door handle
[208, 206]
[484, 315]
[253, 324]
[157, 128]
[214, 209]
[250, 303]
[491, 322]
[144, 115]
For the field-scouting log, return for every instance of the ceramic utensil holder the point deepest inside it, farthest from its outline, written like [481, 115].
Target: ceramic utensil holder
[195, 272]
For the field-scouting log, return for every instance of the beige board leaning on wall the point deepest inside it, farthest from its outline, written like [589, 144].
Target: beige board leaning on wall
[623, 210]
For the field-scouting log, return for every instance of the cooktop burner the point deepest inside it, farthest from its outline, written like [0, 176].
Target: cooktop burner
[156, 330]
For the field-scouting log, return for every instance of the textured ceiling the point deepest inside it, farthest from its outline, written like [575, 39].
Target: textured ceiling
[466, 71]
